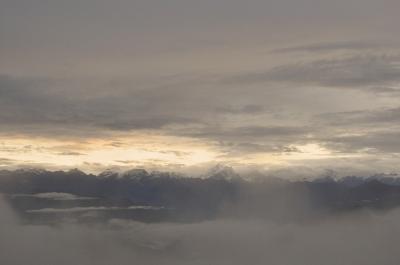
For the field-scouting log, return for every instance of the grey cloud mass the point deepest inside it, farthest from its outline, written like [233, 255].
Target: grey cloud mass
[360, 72]
[333, 46]
[363, 117]
[340, 240]
[247, 78]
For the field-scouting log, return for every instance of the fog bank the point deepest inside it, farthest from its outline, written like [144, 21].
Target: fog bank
[362, 237]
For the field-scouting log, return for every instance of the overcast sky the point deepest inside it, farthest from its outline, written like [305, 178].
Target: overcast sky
[179, 83]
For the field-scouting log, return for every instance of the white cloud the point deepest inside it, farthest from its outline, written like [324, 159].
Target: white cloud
[57, 196]
[93, 208]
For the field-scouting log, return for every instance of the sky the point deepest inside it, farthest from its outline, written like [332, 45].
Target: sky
[270, 85]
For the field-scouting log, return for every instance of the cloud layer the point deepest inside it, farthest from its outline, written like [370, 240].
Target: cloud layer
[262, 83]
[359, 238]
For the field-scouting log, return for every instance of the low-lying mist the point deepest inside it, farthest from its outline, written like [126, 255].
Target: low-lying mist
[359, 238]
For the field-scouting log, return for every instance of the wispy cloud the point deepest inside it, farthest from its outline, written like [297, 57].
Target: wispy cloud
[57, 196]
[88, 209]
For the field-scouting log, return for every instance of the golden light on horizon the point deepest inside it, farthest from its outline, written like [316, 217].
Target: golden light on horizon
[129, 150]
[139, 150]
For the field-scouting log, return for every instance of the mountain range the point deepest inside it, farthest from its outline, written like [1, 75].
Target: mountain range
[44, 196]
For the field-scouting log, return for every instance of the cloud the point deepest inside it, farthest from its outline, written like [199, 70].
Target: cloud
[248, 132]
[58, 196]
[386, 116]
[197, 69]
[363, 238]
[369, 130]
[246, 110]
[354, 72]
[332, 46]
[6, 161]
[48, 108]
[70, 153]
[243, 140]
[370, 142]
[53, 106]
[92, 208]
